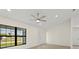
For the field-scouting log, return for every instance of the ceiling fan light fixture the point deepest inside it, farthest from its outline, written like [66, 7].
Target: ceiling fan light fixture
[38, 21]
[56, 16]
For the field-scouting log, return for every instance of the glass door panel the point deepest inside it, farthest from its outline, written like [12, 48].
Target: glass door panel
[13, 41]
[24, 40]
[19, 33]
[8, 32]
[3, 42]
[9, 41]
[12, 32]
[3, 32]
[19, 40]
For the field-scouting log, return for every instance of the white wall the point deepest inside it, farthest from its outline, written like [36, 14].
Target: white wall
[75, 36]
[35, 35]
[75, 30]
[60, 34]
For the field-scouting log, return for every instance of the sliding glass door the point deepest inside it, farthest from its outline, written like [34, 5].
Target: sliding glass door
[21, 36]
[9, 36]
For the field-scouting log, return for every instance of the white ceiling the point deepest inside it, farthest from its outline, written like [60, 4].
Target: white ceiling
[24, 15]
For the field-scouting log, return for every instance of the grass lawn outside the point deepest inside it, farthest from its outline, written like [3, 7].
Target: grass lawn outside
[9, 44]
[10, 41]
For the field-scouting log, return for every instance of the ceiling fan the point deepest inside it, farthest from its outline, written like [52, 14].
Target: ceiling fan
[39, 18]
[74, 10]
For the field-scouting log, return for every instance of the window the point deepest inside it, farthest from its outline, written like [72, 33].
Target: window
[12, 36]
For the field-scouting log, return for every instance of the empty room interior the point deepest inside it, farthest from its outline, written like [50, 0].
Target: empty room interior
[39, 29]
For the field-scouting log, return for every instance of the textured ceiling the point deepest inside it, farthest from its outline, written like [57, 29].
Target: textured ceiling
[24, 15]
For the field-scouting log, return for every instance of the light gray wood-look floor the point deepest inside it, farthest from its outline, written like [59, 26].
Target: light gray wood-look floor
[49, 46]
[75, 47]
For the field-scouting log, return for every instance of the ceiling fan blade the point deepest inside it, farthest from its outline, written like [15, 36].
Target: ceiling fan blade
[43, 20]
[37, 14]
[42, 17]
[34, 16]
